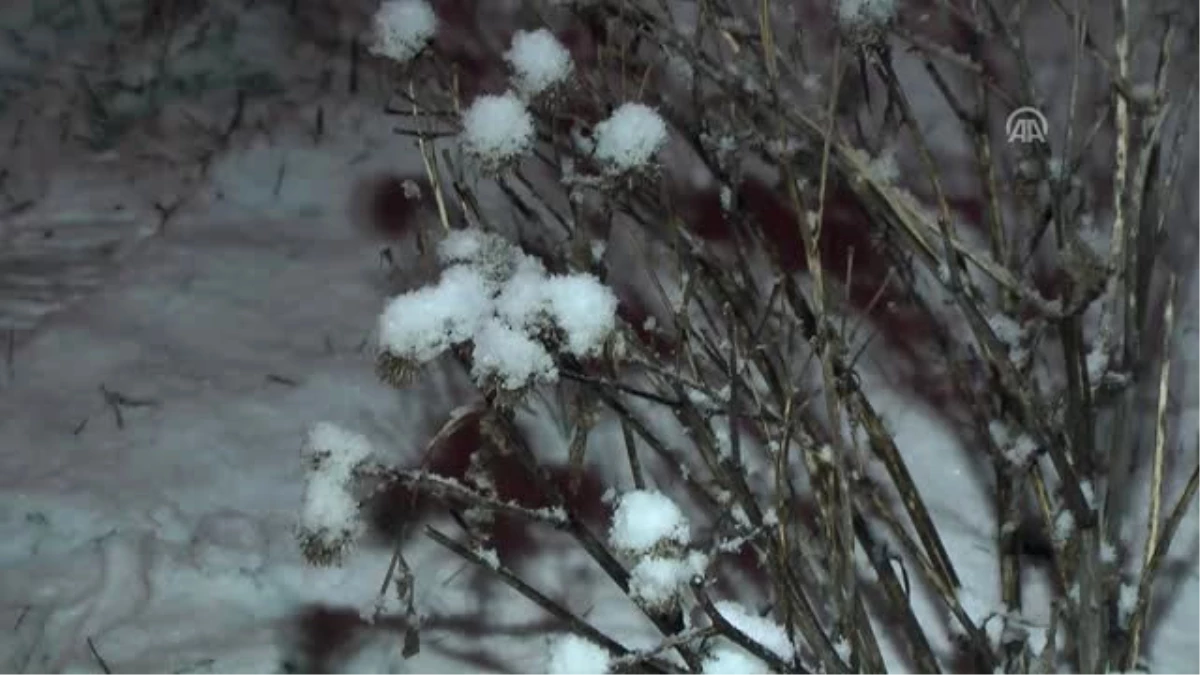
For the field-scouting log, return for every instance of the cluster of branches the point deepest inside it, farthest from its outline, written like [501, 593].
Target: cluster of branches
[759, 361]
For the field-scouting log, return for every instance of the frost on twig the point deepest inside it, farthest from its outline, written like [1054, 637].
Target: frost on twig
[630, 137]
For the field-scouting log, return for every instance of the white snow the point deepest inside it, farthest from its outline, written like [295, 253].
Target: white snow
[630, 137]
[646, 518]
[511, 357]
[584, 308]
[762, 630]
[574, 655]
[539, 61]
[421, 324]
[733, 660]
[400, 29]
[501, 301]
[660, 581]
[497, 128]
[329, 520]
[523, 302]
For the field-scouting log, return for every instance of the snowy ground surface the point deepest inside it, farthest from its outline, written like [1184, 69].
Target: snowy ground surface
[156, 381]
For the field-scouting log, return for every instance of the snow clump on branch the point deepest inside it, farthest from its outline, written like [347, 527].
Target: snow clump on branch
[497, 129]
[329, 518]
[502, 302]
[401, 28]
[539, 61]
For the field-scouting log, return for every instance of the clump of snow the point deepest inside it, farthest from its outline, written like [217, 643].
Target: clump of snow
[644, 519]
[760, 629]
[731, 660]
[497, 128]
[573, 655]
[329, 516]
[502, 301]
[510, 357]
[630, 137]
[659, 582]
[584, 309]
[420, 325]
[523, 302]
[539, 61]
[400, 29]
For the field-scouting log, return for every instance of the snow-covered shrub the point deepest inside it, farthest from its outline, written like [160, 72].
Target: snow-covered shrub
[859, 371]
[400, 29]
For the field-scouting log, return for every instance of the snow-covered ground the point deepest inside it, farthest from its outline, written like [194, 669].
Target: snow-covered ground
[157, 377]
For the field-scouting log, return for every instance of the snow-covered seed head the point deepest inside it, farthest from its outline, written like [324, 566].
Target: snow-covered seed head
[421, 324]
[571, 654]
[647, 521]
[630, 137]
[584, 309]
[538, 60]
[508, 360]
[401, 28]
[658, 582]
[497, 129]
[330, 521]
